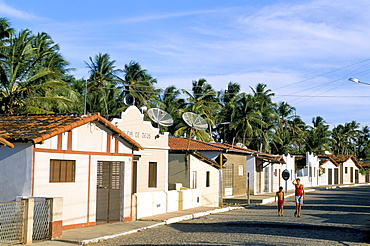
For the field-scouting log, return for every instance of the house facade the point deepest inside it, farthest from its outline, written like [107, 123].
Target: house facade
[241, 168]
[150, 168]
[195, 171]
[308, 169]
[348, 169]
[329, 171]
[83, 159]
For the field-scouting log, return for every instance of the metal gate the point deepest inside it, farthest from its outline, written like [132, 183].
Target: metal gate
[109, 191]
[229, 180]
[41, 218]
[11, 222]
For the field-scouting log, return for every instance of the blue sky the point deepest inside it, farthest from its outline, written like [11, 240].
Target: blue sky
[304, 51]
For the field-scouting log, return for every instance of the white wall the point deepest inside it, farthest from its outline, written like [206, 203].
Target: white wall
[290, 166]
[324, 180]
[251, 169]
[79, 197]
[15, 171]
[209, 195]
[313, 169]
[155, 148]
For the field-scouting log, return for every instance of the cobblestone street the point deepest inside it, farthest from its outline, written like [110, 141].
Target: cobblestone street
[329, 217]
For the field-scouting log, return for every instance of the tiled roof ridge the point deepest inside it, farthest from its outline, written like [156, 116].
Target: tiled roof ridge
[82, 119]
[198, 141]
[334, 158]
[6, 142]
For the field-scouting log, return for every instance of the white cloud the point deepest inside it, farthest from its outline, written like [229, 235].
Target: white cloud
[11, 12]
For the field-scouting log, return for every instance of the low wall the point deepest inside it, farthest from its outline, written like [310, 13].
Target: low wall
[160, 202]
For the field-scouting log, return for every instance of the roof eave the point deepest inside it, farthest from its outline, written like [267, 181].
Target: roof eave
[6, 142]
[83, 121]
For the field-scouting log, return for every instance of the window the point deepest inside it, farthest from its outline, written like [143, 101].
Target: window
[194, 180]
[346, 170]
[152, 177]
[241, 170]
[62, 171]
[207, 179]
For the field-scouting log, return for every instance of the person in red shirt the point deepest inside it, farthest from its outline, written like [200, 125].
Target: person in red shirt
[299, 196]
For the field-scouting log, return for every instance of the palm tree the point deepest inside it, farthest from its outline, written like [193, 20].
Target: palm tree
[227, 99]
[363, 144]
[30, 76]
[284, 128]
[266, 108]
[298, 134]
[174, 105]
[245, 120]
[318, 136]
[102, 91]
[202, 100]
[140, 84]
[6, 32]
[345, 138]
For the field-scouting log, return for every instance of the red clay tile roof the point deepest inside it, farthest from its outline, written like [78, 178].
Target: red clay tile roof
[37, 128]
[179, 143]
[340, 159]
[260, 155]
[6, 143]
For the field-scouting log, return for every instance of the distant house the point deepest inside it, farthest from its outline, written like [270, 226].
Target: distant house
[238, 164]
[193, 170]
[366, 166]
[85, 159]
[266, 170]
[329, 171]
[348, 168]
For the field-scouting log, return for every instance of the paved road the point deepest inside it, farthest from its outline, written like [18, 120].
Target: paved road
[329, 217]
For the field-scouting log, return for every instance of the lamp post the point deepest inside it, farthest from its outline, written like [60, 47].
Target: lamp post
[358, 81]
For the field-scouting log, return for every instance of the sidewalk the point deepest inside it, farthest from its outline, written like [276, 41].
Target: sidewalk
[102, 232]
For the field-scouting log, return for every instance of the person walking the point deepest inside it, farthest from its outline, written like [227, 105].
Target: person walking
[299, 196]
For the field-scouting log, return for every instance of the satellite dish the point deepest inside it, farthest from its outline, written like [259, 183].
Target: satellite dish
[160, 117]
[195, 121]
[129, 100]
[240, 145]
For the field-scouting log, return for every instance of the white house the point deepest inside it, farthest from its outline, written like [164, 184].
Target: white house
[195, 171]
[150, 170]
[307, 169]
[329, 171]
[348, 169]
[83, 159]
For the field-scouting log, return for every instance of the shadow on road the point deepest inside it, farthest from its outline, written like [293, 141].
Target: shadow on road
[340, 234]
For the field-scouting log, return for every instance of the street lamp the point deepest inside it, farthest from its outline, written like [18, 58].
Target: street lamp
[358, 81]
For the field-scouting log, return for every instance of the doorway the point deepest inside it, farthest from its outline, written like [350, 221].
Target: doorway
[330, 176]
[109, 191]
[336, 176]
